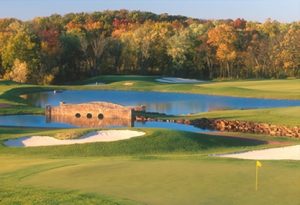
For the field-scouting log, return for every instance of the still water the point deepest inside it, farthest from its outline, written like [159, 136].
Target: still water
[169, 103]
[40, 121]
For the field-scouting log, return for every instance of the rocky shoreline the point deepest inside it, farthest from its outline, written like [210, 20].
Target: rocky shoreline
[247, 127]
[234, 126]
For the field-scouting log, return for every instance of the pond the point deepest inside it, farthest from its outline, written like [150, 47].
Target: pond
[40, 121]
[168, 103]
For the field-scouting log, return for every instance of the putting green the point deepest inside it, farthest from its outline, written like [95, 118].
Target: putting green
[188, 181]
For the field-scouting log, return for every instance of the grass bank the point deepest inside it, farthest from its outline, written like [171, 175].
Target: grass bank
[155, 142]
[287, 116]
[273, 89]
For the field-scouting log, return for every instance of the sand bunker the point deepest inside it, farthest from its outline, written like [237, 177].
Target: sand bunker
[281, 153]
[128, 83]
[99, 136]
[178, 80]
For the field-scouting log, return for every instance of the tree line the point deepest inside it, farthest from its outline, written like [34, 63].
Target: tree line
[57, 49]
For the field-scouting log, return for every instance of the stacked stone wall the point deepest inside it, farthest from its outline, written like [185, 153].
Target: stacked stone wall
[247, 127]
[94, 114]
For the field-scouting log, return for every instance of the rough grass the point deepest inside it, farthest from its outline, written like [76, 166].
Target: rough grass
[35, 196]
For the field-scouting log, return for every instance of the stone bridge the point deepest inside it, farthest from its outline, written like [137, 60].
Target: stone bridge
[93, 114]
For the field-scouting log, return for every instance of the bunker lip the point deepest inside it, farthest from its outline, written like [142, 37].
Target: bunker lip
[178, 80]
[97, 136]
[279, 153]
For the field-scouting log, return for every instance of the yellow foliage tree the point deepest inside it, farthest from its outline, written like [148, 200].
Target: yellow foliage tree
[223, 38]
[19, 72]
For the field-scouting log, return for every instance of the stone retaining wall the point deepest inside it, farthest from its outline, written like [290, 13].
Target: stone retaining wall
[94, 113]
[248, 127]
[234, 126]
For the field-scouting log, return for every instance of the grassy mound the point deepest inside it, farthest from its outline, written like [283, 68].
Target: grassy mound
[156, 141]
[71, 134]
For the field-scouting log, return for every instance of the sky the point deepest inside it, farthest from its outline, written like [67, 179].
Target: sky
[255, 10]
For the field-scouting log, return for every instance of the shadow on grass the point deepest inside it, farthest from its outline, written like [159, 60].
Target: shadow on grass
[8, 82]
[14, 94]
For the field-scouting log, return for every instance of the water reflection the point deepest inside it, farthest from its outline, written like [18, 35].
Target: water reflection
[93, 122]
[169, 103]
[42, 122]
[31, 121]
[169, 125]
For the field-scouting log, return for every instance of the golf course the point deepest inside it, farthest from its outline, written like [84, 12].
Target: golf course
[160, 166]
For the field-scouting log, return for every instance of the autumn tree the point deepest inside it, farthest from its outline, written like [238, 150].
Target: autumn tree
[24, 46]
[223, 37]
[288, 56]
[18, 73]
[57, 49]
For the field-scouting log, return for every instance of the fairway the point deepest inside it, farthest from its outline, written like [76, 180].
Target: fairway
[275, 89]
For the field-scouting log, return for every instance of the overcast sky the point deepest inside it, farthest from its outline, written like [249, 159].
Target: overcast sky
[257, 10]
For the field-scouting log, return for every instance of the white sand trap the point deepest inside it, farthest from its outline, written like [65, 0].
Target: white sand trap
[99, 136]
[281, 153]
[178, 80]
[128, 83]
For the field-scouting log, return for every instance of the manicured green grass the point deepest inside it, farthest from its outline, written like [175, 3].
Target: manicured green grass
[288, 116]
[15, 168]
[155, 142]
[276, 89]
[117, 78]
[279, 116]
[162, 167]
[19, 164]
[10, 95]
[159, 181]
